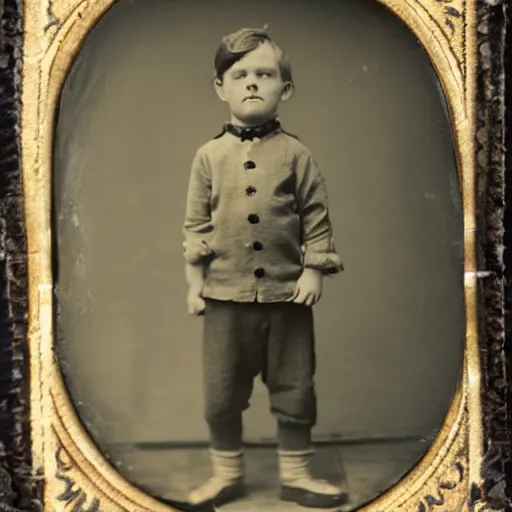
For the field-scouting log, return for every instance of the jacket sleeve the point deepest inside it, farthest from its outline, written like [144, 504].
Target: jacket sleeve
[318, 241]
[197, 227]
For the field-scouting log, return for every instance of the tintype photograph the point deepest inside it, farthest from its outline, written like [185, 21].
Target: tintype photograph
[254, 279]
[259, 250]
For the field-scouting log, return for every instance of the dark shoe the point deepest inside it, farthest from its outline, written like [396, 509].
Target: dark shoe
[212, 494]
[307, 498]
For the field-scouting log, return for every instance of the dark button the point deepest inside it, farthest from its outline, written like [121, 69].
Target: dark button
[253, 218]
[259, 273]
[249, 165]
[250, 191]
[257, 246]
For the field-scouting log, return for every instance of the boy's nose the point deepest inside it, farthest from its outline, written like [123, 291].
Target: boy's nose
[251, 86]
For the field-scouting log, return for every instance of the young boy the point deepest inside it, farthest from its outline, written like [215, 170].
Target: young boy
[258, 242]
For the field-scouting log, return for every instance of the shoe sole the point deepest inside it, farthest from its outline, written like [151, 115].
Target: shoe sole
[310, 499]
[227, 495]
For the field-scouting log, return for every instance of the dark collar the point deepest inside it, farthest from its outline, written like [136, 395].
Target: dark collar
[252, 132]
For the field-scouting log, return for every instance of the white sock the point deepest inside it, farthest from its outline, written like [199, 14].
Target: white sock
[294, 472]
[228, 469]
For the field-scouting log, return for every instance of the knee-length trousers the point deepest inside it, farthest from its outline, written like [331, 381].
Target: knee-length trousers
[274, 340]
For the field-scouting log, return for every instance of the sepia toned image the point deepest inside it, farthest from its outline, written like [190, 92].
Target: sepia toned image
[252, 256]
[258, 250]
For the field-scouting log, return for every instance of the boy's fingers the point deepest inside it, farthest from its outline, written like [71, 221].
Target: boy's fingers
[316, 298]
[196, 306]
[301, 297]
[310, 299]
[293, 298]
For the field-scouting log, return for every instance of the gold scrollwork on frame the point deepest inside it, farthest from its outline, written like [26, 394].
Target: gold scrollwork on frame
[77, 476]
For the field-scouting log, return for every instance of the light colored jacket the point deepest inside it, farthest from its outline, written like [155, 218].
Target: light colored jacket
[256, 216]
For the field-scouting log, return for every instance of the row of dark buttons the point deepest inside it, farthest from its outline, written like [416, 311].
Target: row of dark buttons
[250, 191]
[254, 219]
[257, 246]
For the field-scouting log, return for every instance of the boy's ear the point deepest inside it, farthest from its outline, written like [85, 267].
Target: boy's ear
[288, 90]
[219, 89]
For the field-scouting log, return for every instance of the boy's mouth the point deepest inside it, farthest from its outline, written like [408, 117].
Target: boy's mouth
[253, 98]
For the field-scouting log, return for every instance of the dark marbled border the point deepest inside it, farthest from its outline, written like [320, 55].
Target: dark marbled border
[491, 207]
[20, 490]
[507, 222]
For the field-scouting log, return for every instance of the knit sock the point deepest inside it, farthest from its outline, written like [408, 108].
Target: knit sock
[294, 472]
[295, 454]
[226, 484]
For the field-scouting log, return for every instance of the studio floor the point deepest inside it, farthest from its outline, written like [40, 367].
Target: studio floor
[365, 470]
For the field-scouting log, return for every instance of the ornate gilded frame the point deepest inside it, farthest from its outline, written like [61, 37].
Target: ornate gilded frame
[48, 444]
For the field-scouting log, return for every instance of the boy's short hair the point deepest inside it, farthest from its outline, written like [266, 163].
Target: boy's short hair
[236, 45]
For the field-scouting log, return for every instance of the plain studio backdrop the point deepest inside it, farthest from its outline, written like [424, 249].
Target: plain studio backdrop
[139, 102]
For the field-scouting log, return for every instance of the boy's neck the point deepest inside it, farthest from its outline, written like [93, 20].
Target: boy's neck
[247, 124]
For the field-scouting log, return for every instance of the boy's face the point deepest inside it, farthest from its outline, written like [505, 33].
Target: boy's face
[253, 87]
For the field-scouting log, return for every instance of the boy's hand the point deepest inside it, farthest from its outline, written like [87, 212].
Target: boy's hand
[309, 287]
[195, 278]
[195, 302]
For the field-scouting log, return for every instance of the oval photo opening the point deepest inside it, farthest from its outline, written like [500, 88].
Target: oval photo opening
[359, 166]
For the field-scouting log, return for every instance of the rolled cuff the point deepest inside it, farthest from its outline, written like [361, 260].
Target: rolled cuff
[323, 257]
[327, 263]
[196, 252]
